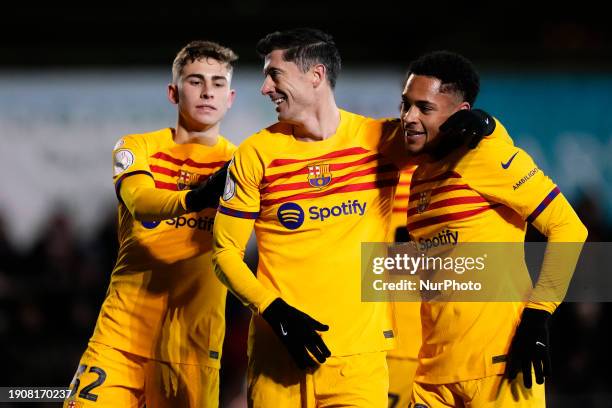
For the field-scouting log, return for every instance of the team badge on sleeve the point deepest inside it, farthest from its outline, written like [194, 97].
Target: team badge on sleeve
[122, 161]
[319, 175]
[230, 184]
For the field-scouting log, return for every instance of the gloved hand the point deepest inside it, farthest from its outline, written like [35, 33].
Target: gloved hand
[530, 346]
[298, 332]
[207, 194]
[466, 126]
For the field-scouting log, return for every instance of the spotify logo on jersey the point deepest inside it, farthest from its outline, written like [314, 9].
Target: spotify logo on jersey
[150, 224]
[290, 215]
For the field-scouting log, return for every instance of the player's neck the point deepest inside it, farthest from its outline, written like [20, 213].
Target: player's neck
[321, 124]
[208, 136]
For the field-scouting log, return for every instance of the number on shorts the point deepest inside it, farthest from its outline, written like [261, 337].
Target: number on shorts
[393, 400]
[77, 379]
[86, 391]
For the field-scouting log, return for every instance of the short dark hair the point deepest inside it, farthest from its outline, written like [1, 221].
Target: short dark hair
[199, 49]
[305, 47]
[456, 73]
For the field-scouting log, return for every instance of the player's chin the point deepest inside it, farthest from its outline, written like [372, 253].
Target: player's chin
[284, 116]
[208, 119]
[414, 144]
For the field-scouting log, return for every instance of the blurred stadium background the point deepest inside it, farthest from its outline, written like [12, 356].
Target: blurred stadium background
[92, 74]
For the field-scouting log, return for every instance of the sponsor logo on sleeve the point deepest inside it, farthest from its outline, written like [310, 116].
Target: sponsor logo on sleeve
[230, 184]
[525, 179]
[509, 162]
[123, 159]
[230, 187]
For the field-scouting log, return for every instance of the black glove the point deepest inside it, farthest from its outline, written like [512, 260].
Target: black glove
[530, 346]
[401, 234]
[466, 127]
[207, 194]
[298, 332]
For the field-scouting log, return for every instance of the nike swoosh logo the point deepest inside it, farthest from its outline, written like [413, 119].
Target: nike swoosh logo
[507, 164]
[539, 343]
[283, 332]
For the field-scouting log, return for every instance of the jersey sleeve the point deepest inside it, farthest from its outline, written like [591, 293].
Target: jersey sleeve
[566, 235]
[241, 197]
[135, 186]
[506, 174]
[129, 158]
[238, 209]
[230, 236]
[147, 203]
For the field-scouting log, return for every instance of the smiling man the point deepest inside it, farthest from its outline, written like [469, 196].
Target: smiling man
[472, 195]
[158, 338]
[314, 186]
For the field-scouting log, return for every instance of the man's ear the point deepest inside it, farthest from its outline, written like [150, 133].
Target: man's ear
[232, 97]
[173, 94]
[319, 73]
[465, 105]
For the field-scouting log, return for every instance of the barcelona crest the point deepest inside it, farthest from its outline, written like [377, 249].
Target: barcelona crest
[423, 203]
[319, 175]
[187, 180]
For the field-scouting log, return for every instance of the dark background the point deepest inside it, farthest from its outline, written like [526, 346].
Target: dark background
[547, 35]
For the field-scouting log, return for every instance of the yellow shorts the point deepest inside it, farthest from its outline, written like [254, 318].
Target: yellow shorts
[489, 392]
[359, 380]
[107, 377]
[401, 377]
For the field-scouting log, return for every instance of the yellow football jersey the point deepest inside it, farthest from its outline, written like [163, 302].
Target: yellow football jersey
[400, 203]
[485, 195]
[406, 314]
[164, 301]
[314, 204]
